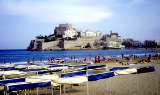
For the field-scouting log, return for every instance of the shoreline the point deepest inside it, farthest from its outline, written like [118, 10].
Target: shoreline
[97, 49]
[83, 49]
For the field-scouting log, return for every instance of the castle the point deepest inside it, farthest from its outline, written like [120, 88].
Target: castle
[67, 37]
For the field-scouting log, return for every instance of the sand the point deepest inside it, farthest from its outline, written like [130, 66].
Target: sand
[132, 84]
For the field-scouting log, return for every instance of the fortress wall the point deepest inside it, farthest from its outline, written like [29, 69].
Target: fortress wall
[73, 44]
[35, 46]
[78, 43]
[90, 38]
[68, 44]
[50, 45]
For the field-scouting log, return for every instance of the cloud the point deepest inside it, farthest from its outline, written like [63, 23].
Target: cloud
[54, 11]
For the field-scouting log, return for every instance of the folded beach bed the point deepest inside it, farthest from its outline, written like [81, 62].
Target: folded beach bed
[94, 77]
[6, 81]
[12, 74]
[118, 68]
[26, 85]
[74, 73]
[77, 66]
[7, 68]
[72, 80]
[146, 69]
[125, 71]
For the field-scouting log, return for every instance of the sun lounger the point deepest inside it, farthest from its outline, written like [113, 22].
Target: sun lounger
[77, 66]
[2, 82]
[126, 71]
[118, 68]
[11, 72]
[72, 80]
[146, 69]
[43, 77]
[71, 74]
[34, 70]
[7, 68]
[26, 85]
[100, 76]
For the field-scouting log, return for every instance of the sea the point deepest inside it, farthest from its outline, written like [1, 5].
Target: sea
[22, 55]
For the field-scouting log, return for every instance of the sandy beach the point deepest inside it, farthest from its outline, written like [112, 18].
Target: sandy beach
[132, 84]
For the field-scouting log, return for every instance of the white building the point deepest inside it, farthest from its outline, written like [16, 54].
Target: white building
[89, 33]
[69, 31]
[113, 41]
[114, 44]
[69, 34]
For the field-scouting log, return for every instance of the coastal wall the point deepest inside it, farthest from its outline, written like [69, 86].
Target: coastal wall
[62, 44]
[80, 43]
[53, 45]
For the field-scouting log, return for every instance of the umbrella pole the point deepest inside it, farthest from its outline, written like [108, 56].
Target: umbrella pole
[64, 84]
[52, 89]
[25, 91]
[87, 81]
[60, 89]
[37, 90]
[64, 90]
[4, 92]
[157, 81]
[37, 87]
[137, 84]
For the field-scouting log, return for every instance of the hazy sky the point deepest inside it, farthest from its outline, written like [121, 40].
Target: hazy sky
[22, 20]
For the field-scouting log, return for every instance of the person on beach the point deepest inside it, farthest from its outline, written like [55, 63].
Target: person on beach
[149, 58]
[10, 62]
[74, 58]
[71, 58]
[85, 60]
[122, 55]
[28, 61]
[97, 59]
[158, 55]
[48, 60]
[4, 62]
[40, 59]
[52, 60]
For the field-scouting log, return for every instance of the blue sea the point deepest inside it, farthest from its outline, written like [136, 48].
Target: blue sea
[21, 55]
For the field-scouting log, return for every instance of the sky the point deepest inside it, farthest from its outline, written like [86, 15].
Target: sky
[22, 20]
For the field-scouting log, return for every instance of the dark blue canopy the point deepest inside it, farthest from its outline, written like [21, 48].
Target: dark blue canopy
[34, 70]
[12, 80]
[118, 68]
[28, 85]
[100, 76]
[70, 74]
[146, 69]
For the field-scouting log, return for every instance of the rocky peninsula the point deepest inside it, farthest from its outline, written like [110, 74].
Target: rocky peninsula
[67, 37]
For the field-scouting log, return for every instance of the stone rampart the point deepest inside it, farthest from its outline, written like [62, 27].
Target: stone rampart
[53, 45]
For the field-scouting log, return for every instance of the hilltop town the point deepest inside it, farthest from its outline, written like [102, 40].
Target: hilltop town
[67, 37]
